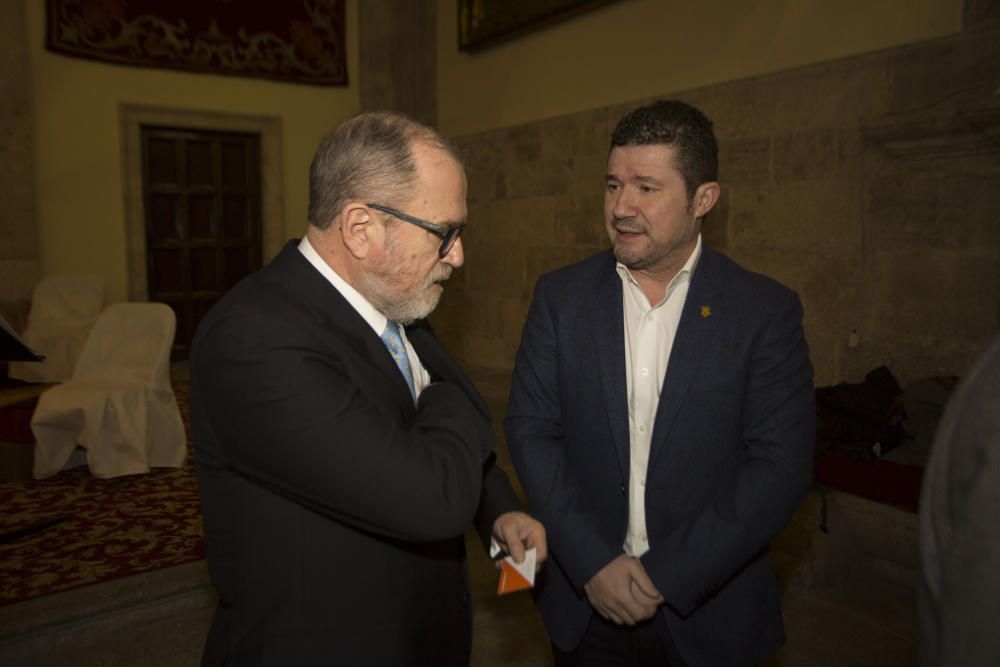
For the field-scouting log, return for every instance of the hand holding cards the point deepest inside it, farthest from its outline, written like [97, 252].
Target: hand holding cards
[517, 533]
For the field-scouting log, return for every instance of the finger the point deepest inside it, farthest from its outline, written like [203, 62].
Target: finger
[646, 614]
[606, 607]
[506, 530]
[511, 529]
[616, 615]
[537, 542]
[515, 547]
[637, 610]
[623, 612]
[642, 597]
[643, 613]
[641, 580]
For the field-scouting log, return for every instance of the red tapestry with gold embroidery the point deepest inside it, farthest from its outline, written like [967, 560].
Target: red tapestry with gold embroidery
[299, 41]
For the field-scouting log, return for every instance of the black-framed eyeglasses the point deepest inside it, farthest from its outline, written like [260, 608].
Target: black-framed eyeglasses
[448, 235]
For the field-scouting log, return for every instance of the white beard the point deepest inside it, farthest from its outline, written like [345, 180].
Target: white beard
[384, 288]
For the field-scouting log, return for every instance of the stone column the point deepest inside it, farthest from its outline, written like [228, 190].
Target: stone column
[398, 69]
[19, 266]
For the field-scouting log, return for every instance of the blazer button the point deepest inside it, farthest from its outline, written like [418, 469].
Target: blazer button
[622, 489]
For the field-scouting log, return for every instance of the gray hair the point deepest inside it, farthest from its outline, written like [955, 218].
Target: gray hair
[369, 158]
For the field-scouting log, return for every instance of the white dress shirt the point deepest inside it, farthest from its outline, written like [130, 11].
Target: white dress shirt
[371, 315]
[649, 338]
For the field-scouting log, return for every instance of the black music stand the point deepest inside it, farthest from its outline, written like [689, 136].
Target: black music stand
[12, 348]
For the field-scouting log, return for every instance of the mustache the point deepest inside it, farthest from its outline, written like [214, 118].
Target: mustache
[441, 274]
[628, 225]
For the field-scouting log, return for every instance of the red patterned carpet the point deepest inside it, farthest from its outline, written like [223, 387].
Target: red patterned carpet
[74, 529]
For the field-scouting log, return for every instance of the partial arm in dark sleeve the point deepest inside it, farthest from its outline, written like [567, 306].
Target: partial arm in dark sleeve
[292, 420]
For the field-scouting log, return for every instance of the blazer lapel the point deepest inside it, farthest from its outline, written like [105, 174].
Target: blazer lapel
[700, 319]
[335, 314]
[440, 365]
[607, 328]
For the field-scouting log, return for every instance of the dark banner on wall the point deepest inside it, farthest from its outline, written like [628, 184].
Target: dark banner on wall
[298, 41]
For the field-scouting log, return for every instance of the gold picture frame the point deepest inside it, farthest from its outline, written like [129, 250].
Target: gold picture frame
[483, 23]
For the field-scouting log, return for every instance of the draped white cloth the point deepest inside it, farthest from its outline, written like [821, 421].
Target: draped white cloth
[119, 405]
[63, 310]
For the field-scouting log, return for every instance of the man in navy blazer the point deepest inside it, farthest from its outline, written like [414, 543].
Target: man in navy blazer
[661, 421]
[341, 453]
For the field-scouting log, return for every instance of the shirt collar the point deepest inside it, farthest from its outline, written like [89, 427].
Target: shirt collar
[684, 274]
[366, 310]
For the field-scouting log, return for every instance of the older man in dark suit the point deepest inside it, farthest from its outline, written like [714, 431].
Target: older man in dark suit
[661, 421]
[341, 453]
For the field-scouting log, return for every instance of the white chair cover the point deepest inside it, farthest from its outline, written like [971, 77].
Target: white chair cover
[63, 310]
[119, 405]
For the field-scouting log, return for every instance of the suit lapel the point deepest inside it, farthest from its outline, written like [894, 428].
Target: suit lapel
[335, 314]
[607, 328]
[700, 319]
[440, 365]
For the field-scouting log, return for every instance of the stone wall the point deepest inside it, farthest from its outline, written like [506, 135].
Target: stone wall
[870, 185]
[18, 235]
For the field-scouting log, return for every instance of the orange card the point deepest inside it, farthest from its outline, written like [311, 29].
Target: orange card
[517, 577]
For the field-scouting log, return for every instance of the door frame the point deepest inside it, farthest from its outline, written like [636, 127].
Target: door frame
[272, 209]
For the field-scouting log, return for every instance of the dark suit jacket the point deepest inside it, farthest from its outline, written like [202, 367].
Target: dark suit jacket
[960, 526]
[730, 459]
[334, 508]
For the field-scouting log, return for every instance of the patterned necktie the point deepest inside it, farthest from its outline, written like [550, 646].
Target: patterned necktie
[394, 342]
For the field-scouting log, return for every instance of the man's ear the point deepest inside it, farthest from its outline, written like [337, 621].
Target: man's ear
[705, 197]
[357, 228]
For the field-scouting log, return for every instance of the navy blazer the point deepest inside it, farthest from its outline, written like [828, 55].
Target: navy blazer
[335, 509]
[730, 459]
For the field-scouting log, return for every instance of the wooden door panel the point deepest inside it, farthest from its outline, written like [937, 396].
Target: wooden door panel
[166, 269]
[199, 164]
[162, 161]
[235, 218]
[237, 264]
[200, 217]
[234, 161]
[204, 270]
[201, 192]
[162, 214]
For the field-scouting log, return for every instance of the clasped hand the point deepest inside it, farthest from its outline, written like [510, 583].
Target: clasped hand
[622, 592]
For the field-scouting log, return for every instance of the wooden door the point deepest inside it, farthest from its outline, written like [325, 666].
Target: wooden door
[201, 201]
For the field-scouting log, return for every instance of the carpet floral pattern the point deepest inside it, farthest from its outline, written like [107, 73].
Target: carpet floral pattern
[74, 529]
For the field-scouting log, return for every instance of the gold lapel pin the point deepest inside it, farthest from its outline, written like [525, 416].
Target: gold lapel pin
[705, 311]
